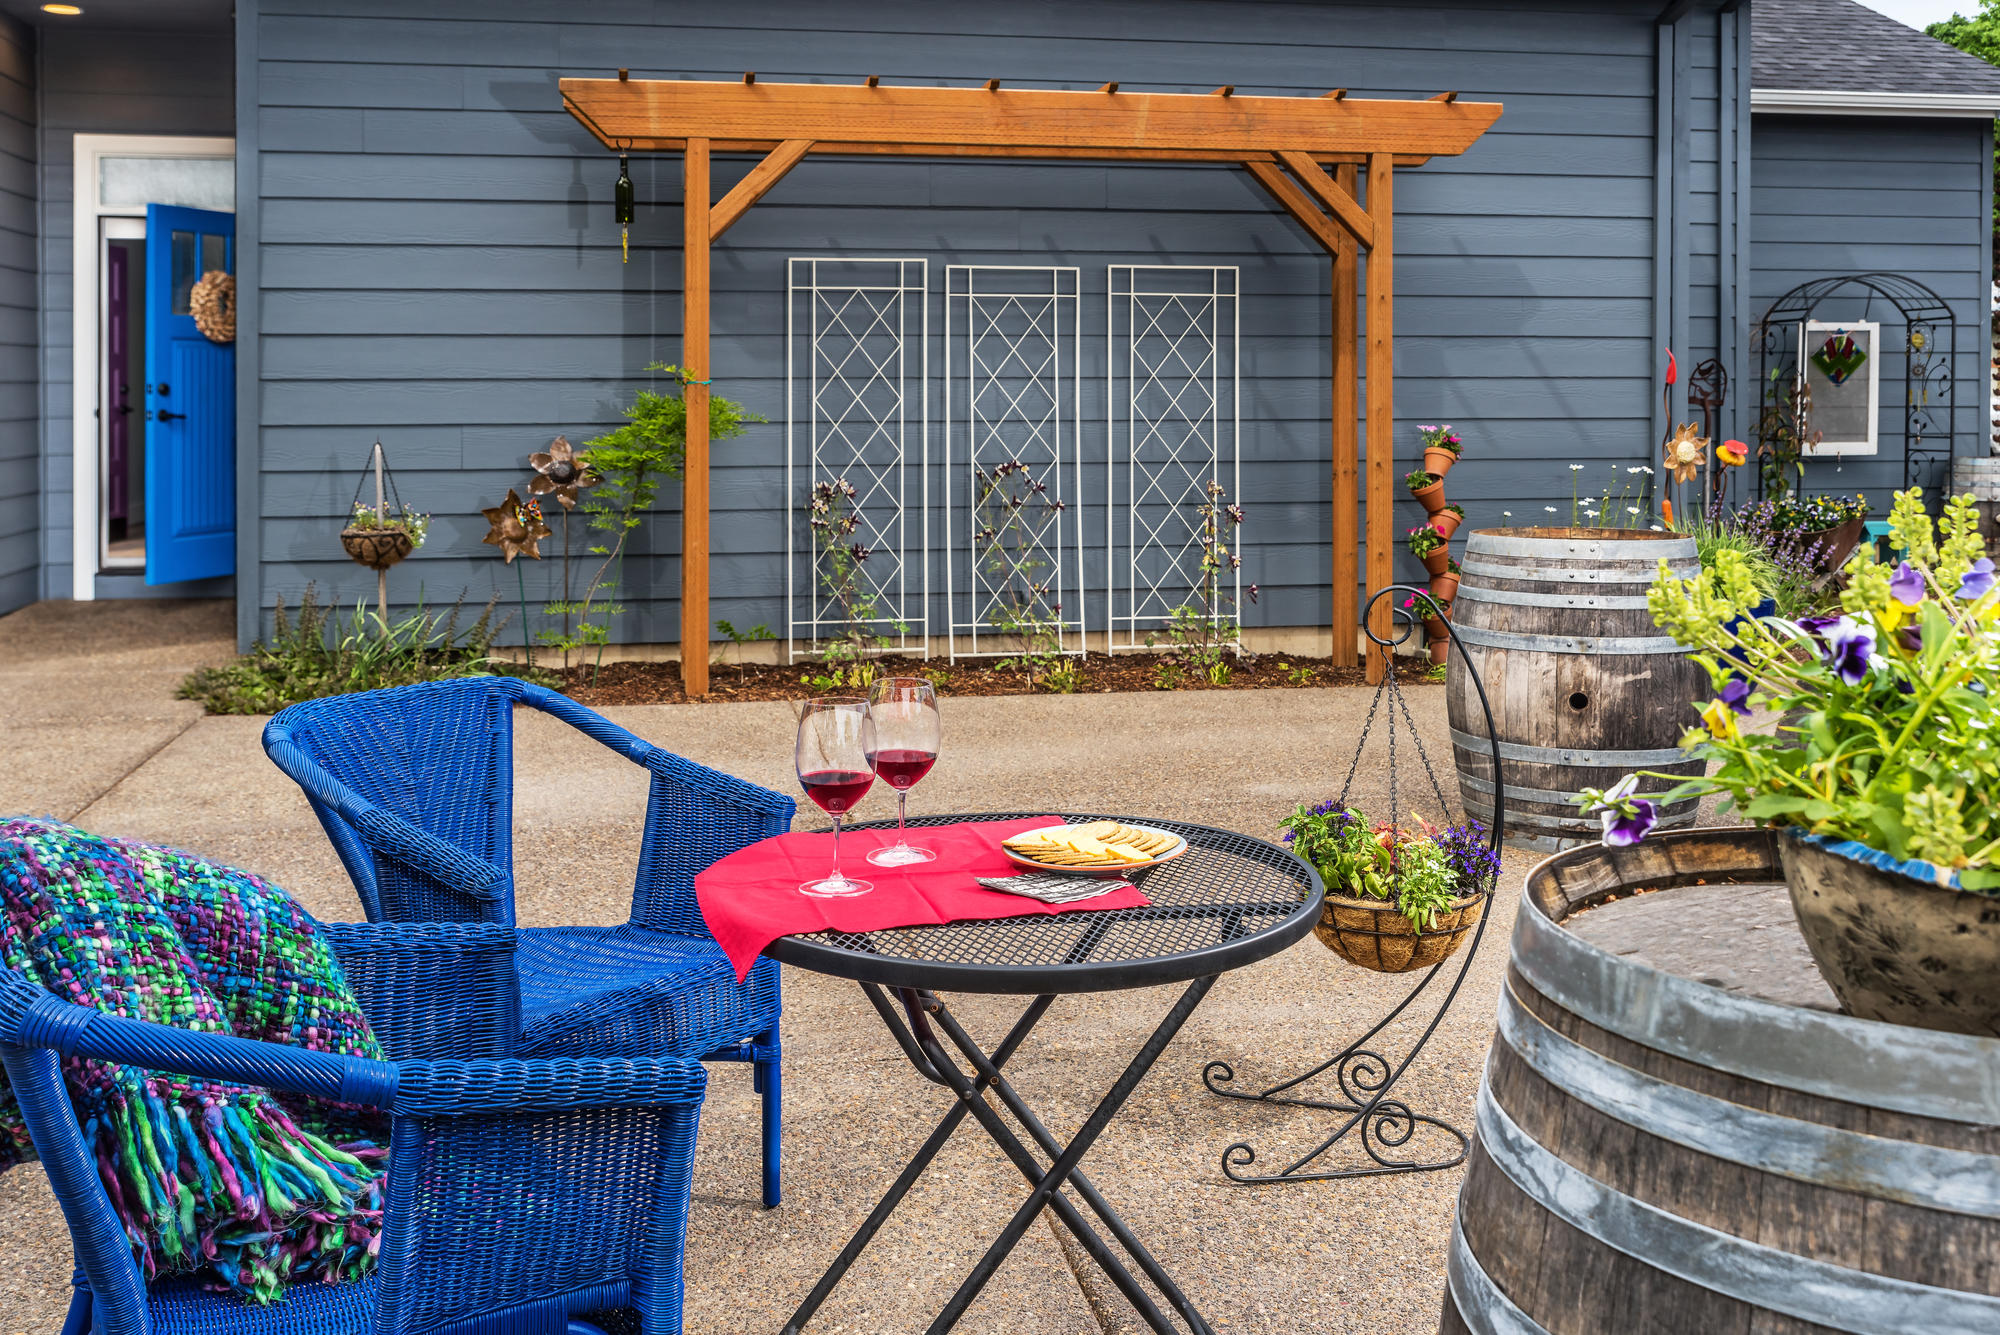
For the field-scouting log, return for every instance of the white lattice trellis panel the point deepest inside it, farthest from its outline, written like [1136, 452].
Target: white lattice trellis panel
[1013, 532]
[1171, 335]
[856, 365]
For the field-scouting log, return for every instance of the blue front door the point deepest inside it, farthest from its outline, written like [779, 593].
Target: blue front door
[190, 402]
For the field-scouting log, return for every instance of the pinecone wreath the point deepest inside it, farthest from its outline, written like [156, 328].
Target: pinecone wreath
[213, 305]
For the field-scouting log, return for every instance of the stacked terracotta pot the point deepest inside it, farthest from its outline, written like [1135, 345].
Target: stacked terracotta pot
[1444, 518]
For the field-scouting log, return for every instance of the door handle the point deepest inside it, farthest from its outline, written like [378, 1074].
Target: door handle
[164, 416]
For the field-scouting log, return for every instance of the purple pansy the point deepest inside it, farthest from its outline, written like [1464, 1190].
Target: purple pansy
[1907, 585]
[1736, 694]
[1978, 580]
[1818, 626]
[1848, 647]
[1627, 819]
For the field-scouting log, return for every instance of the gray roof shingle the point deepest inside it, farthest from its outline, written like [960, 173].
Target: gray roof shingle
[1844, 46]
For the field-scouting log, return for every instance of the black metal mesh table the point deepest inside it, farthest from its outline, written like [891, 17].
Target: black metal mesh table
[1228, 901]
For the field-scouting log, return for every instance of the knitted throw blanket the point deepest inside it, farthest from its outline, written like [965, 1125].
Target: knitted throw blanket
[252, 1189]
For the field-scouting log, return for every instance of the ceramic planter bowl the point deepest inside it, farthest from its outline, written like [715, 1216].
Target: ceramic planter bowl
[1431, 497]
[1438, 461]
[1444, 584]
[1893, 944]
[1438, 562]
[1435, 628]
[1447, 522]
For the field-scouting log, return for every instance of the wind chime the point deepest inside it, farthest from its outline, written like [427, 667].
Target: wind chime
[625, 205]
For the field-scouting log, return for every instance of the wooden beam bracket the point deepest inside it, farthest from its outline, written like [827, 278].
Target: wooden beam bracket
[756, 184]
[1327, 191]
[1296, 203]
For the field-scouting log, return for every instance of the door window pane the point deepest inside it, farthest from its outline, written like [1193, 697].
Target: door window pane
[214, 253]
[184, 272]
[198, 183]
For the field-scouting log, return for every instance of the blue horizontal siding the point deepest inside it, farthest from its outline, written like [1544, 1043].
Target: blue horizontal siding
[20, 444]
[1839, 195]
[438, 266]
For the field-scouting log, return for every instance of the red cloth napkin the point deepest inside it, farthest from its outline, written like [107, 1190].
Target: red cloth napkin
[751, 898]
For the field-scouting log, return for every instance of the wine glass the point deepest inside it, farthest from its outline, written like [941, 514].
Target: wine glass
[906, 746]
[836, 742]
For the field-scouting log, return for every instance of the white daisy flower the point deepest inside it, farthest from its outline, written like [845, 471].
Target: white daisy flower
[1550, 508]
[1576, 468]
[1631, 509]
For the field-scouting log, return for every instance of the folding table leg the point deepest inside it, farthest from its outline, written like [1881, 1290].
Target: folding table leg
[1084, 1187]
[915, 1168]
[1066, 1162]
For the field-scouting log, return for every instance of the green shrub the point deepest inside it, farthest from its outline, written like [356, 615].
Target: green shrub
[316, 654]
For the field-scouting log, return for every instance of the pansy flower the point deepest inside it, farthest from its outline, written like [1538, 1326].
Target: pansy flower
[1908, 585]
[1626, 817]
[1847, 648]
[1978, 581]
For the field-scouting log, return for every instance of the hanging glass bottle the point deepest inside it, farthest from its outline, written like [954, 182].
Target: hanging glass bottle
[622, 197]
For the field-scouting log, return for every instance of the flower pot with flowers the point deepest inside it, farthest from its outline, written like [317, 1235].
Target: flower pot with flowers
[1444, 584]
[1826, 527]
[1427, 488]
[1883, 776]
[1397, 898]
[1447, 520]
[1429, 546]
[1441, 448]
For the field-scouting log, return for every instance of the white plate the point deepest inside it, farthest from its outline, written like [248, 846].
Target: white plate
[1124, 869]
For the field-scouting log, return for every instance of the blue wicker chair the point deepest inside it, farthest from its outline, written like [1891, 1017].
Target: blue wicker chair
[414, 786]
[521, 1194]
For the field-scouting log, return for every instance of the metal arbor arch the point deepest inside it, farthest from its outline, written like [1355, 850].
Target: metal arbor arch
[1929, 351]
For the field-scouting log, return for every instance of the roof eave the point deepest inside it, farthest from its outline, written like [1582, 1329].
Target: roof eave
[1805, 101]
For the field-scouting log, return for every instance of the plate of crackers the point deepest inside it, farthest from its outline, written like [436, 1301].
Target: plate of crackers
[1095, 848]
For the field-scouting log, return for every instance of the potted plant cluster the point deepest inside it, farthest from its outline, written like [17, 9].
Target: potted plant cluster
[379, 538]
[1426, 488]
[1828, 527]
[1430, 542]
[1398, 898]
[1883, 776]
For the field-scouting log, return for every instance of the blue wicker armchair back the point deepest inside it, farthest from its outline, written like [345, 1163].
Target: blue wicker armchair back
[414, 787]
[521, 1193]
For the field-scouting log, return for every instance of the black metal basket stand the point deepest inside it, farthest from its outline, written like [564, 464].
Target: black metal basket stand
[1366, 1072]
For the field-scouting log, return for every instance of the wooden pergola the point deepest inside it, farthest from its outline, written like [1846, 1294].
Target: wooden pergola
[1311, 154]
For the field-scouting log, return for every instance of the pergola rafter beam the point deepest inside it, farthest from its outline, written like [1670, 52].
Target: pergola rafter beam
[1267, 136]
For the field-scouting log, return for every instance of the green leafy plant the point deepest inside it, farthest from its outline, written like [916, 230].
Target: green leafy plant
[1784, 432]
[632, 461]
[1440, 438]
[315, 653]
[840, 559]
[1009, 504]
[1204, 636]
[1298, 674]
[1896, 742]
[739, 638]
[1422, 869]
[1417, 479]
[1423, 540]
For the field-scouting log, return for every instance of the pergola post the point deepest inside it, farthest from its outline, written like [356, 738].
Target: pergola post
[1381, 394]
[694, 394]
[1346, 441]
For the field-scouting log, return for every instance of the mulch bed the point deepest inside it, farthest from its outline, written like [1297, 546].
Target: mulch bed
[660, 683]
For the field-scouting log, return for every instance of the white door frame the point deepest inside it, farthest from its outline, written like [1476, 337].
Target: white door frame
[86, 357]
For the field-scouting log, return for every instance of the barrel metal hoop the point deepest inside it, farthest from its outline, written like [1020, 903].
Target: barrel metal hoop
[1581, 573]
[1857, 1301]
[1479, 593]
[1823, 1156]
[1555, 755]
[1949, 1077]
[1570, 644]
[1481, 1304]
[1489, 543]
[1518, 793]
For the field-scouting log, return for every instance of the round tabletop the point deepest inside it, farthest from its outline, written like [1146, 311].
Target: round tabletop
[1230, 900]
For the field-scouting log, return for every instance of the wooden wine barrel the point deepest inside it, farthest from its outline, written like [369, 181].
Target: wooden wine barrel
[1585, 688]
[1658, 1153]
[1979, 475]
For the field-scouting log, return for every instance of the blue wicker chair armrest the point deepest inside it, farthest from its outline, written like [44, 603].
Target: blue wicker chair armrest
[442, 991]
[726, 787]
[546, 1085]
[72, 1030]
[389, 835]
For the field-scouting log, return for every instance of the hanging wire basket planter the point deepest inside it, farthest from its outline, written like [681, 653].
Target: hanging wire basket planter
[388, 540]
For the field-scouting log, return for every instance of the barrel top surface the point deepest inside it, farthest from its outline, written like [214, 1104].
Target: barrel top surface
[1694, 991]
[1579, 544]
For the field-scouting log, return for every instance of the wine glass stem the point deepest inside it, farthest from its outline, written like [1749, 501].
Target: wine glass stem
[834, 875]
[902, 799]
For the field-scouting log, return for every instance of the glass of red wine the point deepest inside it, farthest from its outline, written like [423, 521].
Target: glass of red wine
[835, 757]
[906, 746]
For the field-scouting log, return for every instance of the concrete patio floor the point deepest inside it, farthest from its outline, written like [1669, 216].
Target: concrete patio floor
[98, 739]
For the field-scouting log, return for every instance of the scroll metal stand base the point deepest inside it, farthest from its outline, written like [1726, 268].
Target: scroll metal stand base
[1371, 1118]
